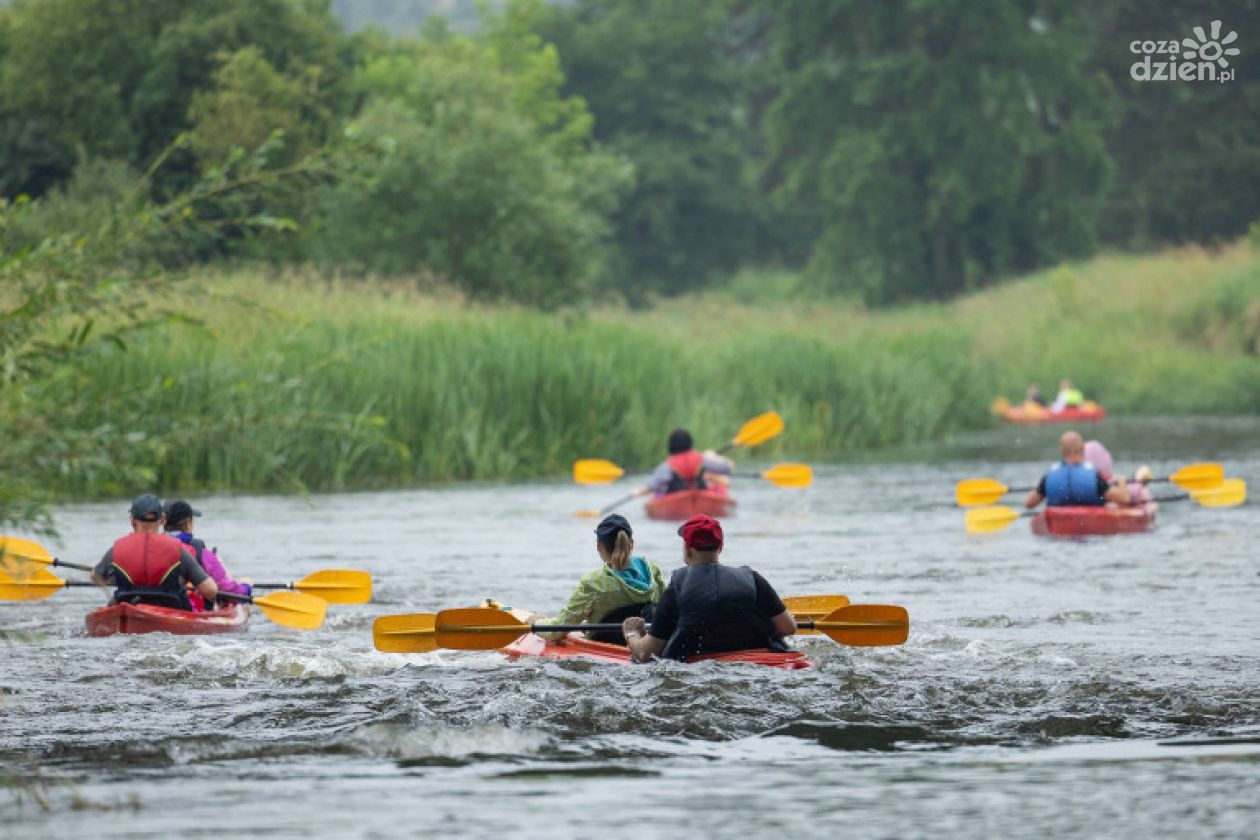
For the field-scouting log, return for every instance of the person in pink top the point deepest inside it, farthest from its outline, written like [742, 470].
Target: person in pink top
[179, 524]
[1139, 493]
[1097, 456]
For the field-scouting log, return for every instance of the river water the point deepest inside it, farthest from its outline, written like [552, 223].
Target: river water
[1108, 687]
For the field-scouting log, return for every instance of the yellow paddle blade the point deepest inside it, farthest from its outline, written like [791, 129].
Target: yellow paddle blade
[866, 625]
[1198, 476]
[790, 475]
[986, 520]
[413, 633]
[338, 586]
[979, 491]
[293, 609]
[1231, 492]
[35, 585]
[813, 607]
[759, 429]
[14, 550]
[596, 471]
[477, 628]
[999, 405]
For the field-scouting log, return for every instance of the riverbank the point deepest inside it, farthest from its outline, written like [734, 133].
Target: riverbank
[335, 384]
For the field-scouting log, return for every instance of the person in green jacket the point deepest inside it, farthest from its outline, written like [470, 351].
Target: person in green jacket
[624, 586]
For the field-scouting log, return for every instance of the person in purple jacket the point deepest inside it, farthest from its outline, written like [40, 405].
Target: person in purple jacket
[179, 524]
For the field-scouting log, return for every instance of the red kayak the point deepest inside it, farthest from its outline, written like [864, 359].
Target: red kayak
[1090, 521]
[575, 647]
[1034, 413]
[144, 618]
[687, 503]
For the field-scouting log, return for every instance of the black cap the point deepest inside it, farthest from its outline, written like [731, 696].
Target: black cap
[147, 508]
[679, 441]
[608, 529]
[179, 510]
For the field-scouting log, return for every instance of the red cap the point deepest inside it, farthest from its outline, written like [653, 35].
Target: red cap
[703, 533]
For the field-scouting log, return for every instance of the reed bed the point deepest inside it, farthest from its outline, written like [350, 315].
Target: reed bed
[305, 381]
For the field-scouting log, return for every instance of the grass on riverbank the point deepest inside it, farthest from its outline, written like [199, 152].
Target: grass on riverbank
[349, 385]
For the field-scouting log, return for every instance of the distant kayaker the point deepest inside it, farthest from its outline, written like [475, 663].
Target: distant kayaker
[179, 524]
[687, 469]
[1033, 396]
[1139, 493]
[150, 566]
[624, 586]
[1073, 481]
[1097, 456]
[1068, 397]
[708, 607]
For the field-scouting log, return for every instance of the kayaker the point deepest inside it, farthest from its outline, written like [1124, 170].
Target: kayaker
[709, 607]
[1139, 493]
[625, 585]
[1068, 397]
[179, 524]
[1033, 397]
[687, 469]
[1074, 481]
[149, 566]
[1097, 456]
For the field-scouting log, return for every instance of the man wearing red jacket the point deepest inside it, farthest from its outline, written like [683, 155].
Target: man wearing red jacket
[151, 567]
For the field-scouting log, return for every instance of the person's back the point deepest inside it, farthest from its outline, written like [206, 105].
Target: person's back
[1072, 485]
[624, 585]
[687, 469]
[148, 567]
[1073, 482]
[708, 607]
[717, 608]
[179, 524]
[1069, 396]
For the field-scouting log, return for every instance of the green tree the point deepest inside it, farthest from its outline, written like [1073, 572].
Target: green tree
[667, 83]
[249, 101]
[938, 144]
[1187, 165]
[482, 173]
[115, 78]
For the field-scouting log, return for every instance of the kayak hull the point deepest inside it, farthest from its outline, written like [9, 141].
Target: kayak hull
[1024, 415]
[688, 503]
[575, 647]
[1094, 521]
[144, 618]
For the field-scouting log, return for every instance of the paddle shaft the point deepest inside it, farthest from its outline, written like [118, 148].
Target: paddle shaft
[78, 566]
[582, 628]
[1161, 480]
[620, 502]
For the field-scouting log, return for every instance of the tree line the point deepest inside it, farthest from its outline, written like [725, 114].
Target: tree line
[888, 150]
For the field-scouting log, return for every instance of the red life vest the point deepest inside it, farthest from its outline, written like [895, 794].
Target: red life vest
[147, 561]
[688, 469]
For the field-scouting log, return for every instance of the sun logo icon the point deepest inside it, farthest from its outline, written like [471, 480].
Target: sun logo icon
[1210, 49]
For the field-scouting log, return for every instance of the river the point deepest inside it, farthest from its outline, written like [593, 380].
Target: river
[1107, 687]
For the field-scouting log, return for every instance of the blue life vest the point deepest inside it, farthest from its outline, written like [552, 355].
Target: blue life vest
[1072, 484]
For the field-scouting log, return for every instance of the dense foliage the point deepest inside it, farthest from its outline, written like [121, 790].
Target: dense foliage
[895, 150]
[558, 156]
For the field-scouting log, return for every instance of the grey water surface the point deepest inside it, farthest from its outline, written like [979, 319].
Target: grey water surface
[1108, 687]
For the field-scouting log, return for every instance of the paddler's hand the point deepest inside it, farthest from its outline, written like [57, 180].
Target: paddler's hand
[633, 627]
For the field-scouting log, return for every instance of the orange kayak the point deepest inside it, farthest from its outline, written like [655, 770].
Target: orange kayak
[575, 647]
[1033, 413]
[1091, 521]
[144, 618]
[687, 503]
